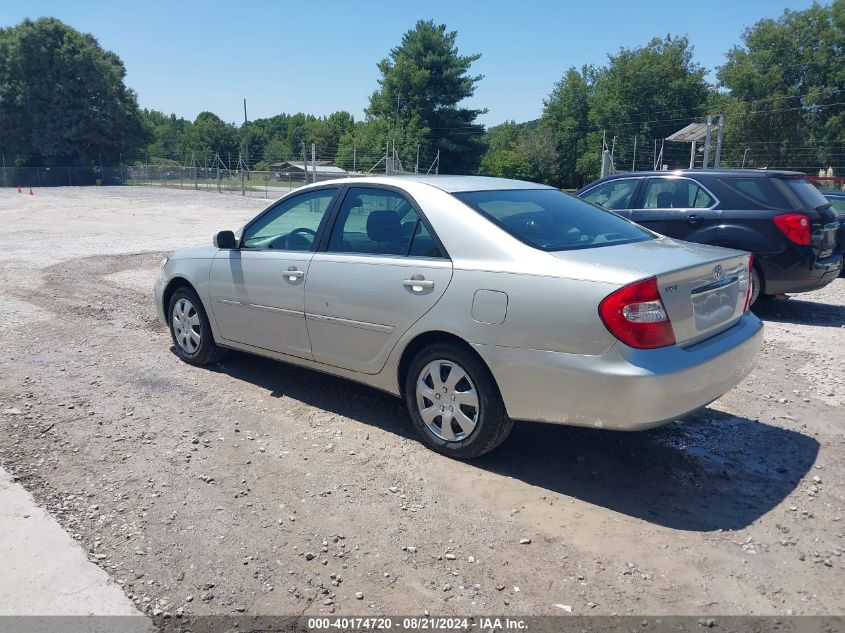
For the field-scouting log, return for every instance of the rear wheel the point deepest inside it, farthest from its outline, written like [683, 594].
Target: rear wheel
[756, 285]
[454, 402]
[190, 329]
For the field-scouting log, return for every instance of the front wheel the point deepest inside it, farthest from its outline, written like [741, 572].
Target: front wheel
[190, 329]
[454, 402]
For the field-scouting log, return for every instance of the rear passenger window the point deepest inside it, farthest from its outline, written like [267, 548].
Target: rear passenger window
[380, 222]
[675, 193]
[423, 244]
[613, 195]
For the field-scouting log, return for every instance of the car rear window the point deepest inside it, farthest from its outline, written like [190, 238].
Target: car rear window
[551, 220]
[762, 192]
[806, 192]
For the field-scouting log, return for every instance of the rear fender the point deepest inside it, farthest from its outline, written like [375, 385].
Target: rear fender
[735, 236]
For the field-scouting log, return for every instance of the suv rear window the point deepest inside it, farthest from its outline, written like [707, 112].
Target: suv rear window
[551, 220]
[762, 192]
[806, 192]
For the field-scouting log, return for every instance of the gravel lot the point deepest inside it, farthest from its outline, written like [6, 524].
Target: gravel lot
[253, 486]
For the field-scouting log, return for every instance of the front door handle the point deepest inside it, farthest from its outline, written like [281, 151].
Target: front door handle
[692, 219]
[418, 283]
[293, 273]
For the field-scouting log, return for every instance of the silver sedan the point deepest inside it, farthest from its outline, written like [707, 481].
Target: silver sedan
[478, 300]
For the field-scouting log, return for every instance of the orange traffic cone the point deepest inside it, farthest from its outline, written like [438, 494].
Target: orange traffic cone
[19, 189]
[30, 192]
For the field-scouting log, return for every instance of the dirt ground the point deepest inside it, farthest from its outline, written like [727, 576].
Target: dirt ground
[257, 487]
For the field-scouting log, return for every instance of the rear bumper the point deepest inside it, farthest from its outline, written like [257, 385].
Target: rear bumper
[623, 389]
[808, 273]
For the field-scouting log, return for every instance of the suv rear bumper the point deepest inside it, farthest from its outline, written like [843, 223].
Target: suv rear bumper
[805, 274]
[623, 389]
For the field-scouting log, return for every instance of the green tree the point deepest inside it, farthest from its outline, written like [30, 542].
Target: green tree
[502, 157]
[62, 97]
[209, 135]
[423, 82]
[277, 150]
[649, 92]
[165, 133]
[786, 87]
[566, 117]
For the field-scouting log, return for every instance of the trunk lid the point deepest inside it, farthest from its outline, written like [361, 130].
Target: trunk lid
[702, 287]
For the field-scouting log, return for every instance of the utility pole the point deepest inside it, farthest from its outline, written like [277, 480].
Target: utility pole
[304, 165]
[417, 167]
[241, 167]
[719, 141]
[354, 157]
[707, 141]
[313, 162]
[437, 168]
[246, 138]
[387, 159]
[634, 162]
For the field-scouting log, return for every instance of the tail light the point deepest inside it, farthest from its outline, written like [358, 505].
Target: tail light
[750, 278]
[796, 227]
[636, 316]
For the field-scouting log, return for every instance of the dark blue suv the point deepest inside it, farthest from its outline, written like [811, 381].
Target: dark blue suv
[779, 216]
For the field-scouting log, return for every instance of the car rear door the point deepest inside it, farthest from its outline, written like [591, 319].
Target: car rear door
[675, 206]
[378, 271]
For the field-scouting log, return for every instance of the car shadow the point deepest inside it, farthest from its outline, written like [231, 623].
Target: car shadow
[801, 312]
[708, 472]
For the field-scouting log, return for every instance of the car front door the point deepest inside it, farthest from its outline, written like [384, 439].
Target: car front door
[258, 289]
[615, 195]
[676, 207]
[381, 268]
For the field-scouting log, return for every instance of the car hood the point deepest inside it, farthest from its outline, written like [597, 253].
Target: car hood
[200, 251]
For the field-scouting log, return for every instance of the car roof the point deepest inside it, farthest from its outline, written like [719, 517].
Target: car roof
[449, 184]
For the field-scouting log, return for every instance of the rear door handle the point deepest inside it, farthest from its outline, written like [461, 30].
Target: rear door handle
[293, 273]
[692, 219]
[418, 283]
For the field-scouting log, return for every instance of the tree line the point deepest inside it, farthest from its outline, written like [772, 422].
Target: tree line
[63, 101]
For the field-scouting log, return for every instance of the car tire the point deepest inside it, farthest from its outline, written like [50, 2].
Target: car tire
[756, 286]
[190, 329]
[458, 414]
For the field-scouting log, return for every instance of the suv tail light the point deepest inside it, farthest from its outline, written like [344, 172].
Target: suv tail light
[636, 316]
[796, 227]
[750, 277]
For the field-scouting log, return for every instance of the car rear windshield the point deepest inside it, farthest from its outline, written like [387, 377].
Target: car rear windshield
[551, 220]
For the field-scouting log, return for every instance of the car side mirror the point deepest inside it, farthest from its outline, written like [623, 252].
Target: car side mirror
[225, 240]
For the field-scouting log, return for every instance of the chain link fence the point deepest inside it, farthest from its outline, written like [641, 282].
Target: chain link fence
[264, 184]
[63, 176]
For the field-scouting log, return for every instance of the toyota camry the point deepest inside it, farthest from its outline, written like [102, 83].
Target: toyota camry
[480, 301]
